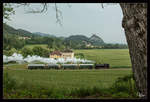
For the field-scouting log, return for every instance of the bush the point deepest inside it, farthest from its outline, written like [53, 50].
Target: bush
[125, 85]
[9, 83]
[39, 51]
[121, 95]
[79, 55]
[9, 52]
[26, 51]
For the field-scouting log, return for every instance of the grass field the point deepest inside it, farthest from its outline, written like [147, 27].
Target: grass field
[61, 83]
[31, 46]
[67, 79]
[117, 58]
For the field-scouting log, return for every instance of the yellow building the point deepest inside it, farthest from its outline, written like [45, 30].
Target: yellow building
[64, 54]
[55, 54]
[67, 54]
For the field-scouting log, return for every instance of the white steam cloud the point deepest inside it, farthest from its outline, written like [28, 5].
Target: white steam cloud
[30, 59]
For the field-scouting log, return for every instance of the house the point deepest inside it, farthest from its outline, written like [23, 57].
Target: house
[64, 54]
[55, 54]
[24, 38]
[67, 54]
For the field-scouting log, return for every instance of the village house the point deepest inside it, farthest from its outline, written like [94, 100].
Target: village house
[67, 54]
[64, 54]
[24, 38]
[55, 54]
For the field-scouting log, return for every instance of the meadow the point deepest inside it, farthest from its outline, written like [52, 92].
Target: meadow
[117, 58]
[33, 45]
[68, 78]
[73, 83]
[66, 83]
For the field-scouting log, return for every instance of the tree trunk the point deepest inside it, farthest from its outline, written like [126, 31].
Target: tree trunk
[135, 25]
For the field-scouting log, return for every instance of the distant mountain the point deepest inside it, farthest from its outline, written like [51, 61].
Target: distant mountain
[44, 34]
[75, 41]
[18, 32]
[25, 33]
[96, 40]
[61, 37]
[77, 38]
[21, 32]
[81, 40]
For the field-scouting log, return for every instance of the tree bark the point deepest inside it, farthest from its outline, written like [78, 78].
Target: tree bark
[135, 26]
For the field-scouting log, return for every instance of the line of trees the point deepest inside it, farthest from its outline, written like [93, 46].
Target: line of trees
[12, 41]
[37, 50]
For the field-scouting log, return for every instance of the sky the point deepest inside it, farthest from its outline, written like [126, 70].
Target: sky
[77, 19]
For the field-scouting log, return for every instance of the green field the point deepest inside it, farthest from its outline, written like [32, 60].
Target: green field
[61, 83]
[67, 79]
[117, 58]
[41, 45]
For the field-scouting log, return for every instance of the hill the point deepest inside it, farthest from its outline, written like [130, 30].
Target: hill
[96, 40]
[18, 32]
[17, 38]
[43, 34]
[83, 41]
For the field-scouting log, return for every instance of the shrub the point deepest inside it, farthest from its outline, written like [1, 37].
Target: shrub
[120, 95]
[9, 52]
[79, 55]
[125, 85]
[39, 51]
[26, 51]
[9, 83]
[81, 92]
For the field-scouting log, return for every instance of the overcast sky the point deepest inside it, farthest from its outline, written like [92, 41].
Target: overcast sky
[78, 18]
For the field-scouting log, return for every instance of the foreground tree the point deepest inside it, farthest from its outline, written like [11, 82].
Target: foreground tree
[135, 25]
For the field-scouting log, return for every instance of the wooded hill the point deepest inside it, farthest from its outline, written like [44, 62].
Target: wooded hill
[17, 38]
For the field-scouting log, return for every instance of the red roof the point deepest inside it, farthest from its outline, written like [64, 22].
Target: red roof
[67, 50]
[56, 53]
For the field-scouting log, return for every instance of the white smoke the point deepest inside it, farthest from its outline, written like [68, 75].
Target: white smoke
[30, 59]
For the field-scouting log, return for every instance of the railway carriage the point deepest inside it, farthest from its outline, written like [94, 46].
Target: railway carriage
[36, 66]
[86, 66]
[53, 66]
[69, 66]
